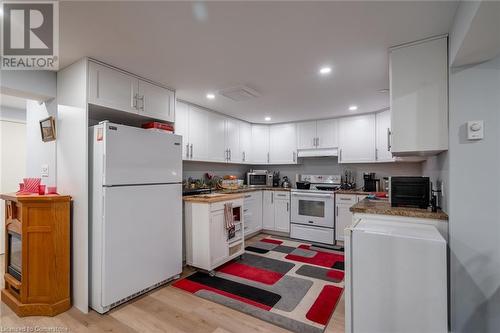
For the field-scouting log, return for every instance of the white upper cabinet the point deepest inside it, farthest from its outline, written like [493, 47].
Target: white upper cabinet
[260, 144]
[317, 138]
[245, 141]
[198, 130]
[112, 89]
[306, 135]
[357, 139]
[216, 136]
[419, 98]
[233, 141]
[383, 129]
[182, 127]
[156, 102]
[327, 134]
[282, 144]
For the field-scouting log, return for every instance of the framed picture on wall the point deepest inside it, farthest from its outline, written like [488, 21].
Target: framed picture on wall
[48, 129]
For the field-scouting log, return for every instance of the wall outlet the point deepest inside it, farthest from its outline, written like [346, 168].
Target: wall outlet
[44, 170]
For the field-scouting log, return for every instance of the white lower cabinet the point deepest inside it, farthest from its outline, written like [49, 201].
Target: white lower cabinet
[343, 215]
[207, 243]
[252, 203]
[218, 249]
[276, 211]
[268, 210]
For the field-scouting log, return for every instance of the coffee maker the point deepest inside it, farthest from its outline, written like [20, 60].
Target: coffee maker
[371, 183]
[276, 179]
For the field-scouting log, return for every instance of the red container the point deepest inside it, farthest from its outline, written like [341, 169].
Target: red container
[41, 189]
[51, 190]
[157, 125]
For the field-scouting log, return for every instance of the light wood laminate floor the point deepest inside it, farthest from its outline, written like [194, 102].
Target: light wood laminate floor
[166, 309]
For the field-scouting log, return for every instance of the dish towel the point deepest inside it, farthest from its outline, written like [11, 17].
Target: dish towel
[229, 220]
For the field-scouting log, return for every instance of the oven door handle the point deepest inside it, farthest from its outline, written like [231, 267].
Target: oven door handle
[318, 195]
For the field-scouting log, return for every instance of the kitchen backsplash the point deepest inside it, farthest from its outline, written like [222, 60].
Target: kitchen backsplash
[319, 166]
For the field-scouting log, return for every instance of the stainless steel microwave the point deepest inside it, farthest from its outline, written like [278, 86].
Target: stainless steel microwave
[409, 191]
[259, 178]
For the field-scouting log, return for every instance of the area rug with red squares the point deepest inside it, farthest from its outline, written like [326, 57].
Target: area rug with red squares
[290, 284]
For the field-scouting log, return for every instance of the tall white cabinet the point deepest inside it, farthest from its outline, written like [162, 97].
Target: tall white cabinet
[245, 142]
[260, 144]
[419, 97]
[282, 144]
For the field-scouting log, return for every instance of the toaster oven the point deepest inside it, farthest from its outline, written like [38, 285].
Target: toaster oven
[409, 191]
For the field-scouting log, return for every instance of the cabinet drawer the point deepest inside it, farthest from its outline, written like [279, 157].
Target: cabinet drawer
[220, 205]
[314, 234]
[279, 195]
[347, 199]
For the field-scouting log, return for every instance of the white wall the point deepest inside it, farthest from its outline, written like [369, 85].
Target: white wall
[474, 200]
[12, 155]
[40, 152]
[39, 85]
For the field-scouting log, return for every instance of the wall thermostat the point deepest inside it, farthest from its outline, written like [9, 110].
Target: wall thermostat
[475, 130]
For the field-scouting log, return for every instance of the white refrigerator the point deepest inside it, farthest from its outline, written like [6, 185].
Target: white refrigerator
[396, 278]
[135, 180]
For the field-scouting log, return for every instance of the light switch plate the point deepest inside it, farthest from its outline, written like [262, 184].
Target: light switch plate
[475, 130]
[44, 170]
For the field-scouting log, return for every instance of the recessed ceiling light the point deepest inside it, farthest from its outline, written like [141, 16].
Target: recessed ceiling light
[210, 96]
[353, 108]
[325, 70]
[267, 118]
[383, 91]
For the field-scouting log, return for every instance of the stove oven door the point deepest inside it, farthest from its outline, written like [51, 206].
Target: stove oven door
[314, 209]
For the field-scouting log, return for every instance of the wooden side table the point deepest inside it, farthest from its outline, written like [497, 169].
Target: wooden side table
[37, 254]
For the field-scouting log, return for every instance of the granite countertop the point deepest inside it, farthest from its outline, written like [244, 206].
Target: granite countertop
[223, 195]
[212, 197]
[383, 207]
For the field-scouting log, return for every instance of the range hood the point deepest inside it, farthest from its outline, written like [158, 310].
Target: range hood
[317, 152]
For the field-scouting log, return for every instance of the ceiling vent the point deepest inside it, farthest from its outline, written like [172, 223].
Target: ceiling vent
[239, 93]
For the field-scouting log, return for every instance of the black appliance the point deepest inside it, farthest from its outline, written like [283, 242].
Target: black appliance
[276, 179]
[303, 185]
[409, 192]
[371, 184]
[14, 260]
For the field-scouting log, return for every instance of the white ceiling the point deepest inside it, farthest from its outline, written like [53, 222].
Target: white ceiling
[275, 48]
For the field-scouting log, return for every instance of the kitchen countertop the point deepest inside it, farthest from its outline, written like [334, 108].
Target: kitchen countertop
[212, 197]
[223, 195]
[383, 207]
